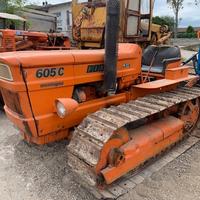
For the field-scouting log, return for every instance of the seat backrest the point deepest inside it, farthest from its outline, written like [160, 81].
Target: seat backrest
[164, 52]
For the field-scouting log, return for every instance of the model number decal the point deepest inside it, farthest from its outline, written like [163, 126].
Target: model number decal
[49, 72]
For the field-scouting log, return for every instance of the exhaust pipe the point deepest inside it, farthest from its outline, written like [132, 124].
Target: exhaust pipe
[111, 48]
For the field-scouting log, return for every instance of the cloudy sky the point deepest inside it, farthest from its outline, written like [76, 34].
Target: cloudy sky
[189, 15]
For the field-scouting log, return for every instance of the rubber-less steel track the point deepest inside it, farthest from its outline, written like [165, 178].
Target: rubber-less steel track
[96, 129]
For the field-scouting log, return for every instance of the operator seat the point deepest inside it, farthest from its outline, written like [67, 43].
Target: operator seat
[162, 55]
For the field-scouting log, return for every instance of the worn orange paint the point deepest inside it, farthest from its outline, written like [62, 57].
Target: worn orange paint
[146, 142]
[118, 139]
[30, 102]
[20, 40]
[198, 34]
[178, 72]
[36, 97]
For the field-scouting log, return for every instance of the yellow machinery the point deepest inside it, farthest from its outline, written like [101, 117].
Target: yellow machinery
[89, 19]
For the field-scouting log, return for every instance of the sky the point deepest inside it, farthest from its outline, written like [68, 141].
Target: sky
[189, 15]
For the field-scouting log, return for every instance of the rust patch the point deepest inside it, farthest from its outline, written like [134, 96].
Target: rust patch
[27, 128]
[11, 100]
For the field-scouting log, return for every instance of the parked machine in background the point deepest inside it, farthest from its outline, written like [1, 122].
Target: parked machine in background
[20, 40]
[198, 34]
[89, 19]
[17, 40]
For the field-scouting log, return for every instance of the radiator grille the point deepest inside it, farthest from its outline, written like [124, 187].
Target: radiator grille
[5, 72]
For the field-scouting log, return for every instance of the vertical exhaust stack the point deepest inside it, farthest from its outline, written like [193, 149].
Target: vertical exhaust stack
[111, 48]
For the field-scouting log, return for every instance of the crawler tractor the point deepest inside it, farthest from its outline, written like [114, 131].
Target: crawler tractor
[19, 40]
[117, 108]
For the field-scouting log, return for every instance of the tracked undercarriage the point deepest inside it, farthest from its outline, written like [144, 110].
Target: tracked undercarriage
[101, 128]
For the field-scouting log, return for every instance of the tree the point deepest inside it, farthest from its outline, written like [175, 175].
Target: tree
[190, 33]
[197, 2]
[190, 29]
[11, 6]
[164, 20]
[176, 6]
[159, 20]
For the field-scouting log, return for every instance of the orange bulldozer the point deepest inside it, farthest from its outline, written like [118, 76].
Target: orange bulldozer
[118, 107]
[19, 40]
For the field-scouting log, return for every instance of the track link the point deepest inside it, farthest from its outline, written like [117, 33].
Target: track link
[96, 129]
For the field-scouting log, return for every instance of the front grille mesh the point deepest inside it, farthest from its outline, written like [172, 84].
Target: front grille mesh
[5, 72]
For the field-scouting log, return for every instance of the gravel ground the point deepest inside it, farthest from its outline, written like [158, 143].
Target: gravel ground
[185, 41]
[30, 172]
[187, 54]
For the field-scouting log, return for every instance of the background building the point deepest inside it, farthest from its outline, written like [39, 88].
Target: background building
[183, 30]
[62, 11]
[39, 20]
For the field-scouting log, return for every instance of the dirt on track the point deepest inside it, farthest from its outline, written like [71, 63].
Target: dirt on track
[30, 172]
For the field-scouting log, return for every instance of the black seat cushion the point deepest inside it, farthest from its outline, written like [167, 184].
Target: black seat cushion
[162, 53]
